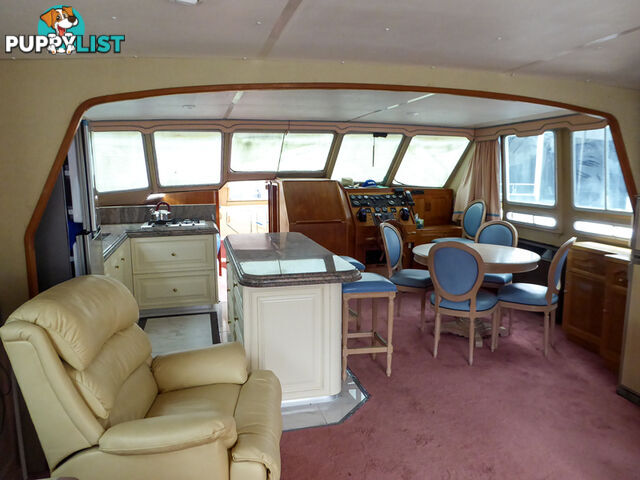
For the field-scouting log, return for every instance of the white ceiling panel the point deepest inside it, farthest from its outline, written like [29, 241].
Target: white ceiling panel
[469, 112]
[544, 36]
[188, 106]
[491, 34]
[336, 105]
[329, 105]
[159, 28]
[619, 57]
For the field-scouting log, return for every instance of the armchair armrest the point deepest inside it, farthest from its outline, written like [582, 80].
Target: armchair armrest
[168, 433]
[223, 363]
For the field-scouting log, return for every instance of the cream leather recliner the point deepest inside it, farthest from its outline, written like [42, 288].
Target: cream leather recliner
[103, 409]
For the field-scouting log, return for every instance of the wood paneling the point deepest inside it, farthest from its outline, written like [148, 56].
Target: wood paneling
[319, 210]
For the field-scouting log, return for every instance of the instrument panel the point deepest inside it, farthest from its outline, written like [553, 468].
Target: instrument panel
[372, 206]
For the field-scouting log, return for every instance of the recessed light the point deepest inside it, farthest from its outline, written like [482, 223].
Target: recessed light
[386, 29]
[114, 18]
[189, 107]
[187, 3]
[259, 22]
[498, 38]
[342, 62]
[245, 58]
[427, 95]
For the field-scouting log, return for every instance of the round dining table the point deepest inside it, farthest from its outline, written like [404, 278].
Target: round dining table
[497, 258]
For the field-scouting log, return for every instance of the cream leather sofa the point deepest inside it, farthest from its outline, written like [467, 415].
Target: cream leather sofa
[103, 409]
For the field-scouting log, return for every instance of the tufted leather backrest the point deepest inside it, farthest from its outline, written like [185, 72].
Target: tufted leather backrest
[86, 330]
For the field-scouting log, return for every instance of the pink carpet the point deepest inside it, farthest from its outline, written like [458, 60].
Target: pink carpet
[512, 415]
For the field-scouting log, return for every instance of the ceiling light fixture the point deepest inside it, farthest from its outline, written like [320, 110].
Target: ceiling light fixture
[189, 107]
[421, 97]
[187, 3]
[237, 97]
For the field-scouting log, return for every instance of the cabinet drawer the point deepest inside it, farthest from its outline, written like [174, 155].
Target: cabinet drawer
[170, 254]
[586, 261]
[174, 289]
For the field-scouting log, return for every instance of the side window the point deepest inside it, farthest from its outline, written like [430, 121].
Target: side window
[530, 169]
[598, 183]
[115, 153]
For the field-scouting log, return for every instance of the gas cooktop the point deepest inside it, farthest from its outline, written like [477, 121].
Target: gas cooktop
[178, 222]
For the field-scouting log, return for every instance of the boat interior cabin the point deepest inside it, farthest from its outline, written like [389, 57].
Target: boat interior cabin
[328, 279]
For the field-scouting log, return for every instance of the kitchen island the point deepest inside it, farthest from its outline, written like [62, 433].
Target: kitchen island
[284, 305]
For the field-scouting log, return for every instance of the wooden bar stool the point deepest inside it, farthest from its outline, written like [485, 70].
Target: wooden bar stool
[372, 286]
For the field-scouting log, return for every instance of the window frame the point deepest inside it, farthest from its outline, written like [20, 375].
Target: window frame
[282, 173]
[601, 211]
[394, 158]
[145, 154]
[403, 147]
[153, 161]
[557, 179]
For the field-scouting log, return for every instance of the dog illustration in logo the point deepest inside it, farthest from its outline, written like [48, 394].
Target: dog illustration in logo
[60, 19]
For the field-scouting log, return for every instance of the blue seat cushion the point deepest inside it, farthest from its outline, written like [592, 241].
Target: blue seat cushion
[412, 277]
[498, 278]
[484, 301]
[525, 293]
[370, 282]
[359, 265]
[452, 239]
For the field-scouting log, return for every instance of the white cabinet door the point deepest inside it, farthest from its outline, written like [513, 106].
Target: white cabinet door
[295, 332]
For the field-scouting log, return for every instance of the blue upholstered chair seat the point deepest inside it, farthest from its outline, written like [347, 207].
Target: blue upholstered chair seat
[525, 294]
[484, 301]
[412, 277]
[370, 282]
[452, 239]
[499, 278]
[359, 265]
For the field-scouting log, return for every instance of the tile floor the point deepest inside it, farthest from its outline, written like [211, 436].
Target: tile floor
[188, 332]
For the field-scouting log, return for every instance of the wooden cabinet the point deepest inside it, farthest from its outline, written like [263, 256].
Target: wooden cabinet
[118, 265]
[174, 271]
[615, 301]
[595, 298]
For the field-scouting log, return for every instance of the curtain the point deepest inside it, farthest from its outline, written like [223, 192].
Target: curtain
[481, 181]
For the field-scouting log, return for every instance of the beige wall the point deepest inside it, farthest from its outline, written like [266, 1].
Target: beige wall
[38, 97]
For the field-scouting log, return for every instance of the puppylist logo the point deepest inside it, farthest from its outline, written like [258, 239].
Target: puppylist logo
[61, 31]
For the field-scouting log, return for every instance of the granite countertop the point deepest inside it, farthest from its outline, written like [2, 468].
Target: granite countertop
[285, 259]
[114, 235]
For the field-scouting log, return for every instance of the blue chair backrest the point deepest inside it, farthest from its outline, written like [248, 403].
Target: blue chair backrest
[496, 234]
[456, 270]
[394, 245]
[563, 253]
[473, 218]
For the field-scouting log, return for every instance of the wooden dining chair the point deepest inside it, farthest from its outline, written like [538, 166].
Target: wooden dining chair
[472, 218]
[411, 280]
[538, 298]
[497, 232]
[457, 271]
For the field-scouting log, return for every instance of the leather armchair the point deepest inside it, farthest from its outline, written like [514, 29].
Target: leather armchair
[104, 409]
